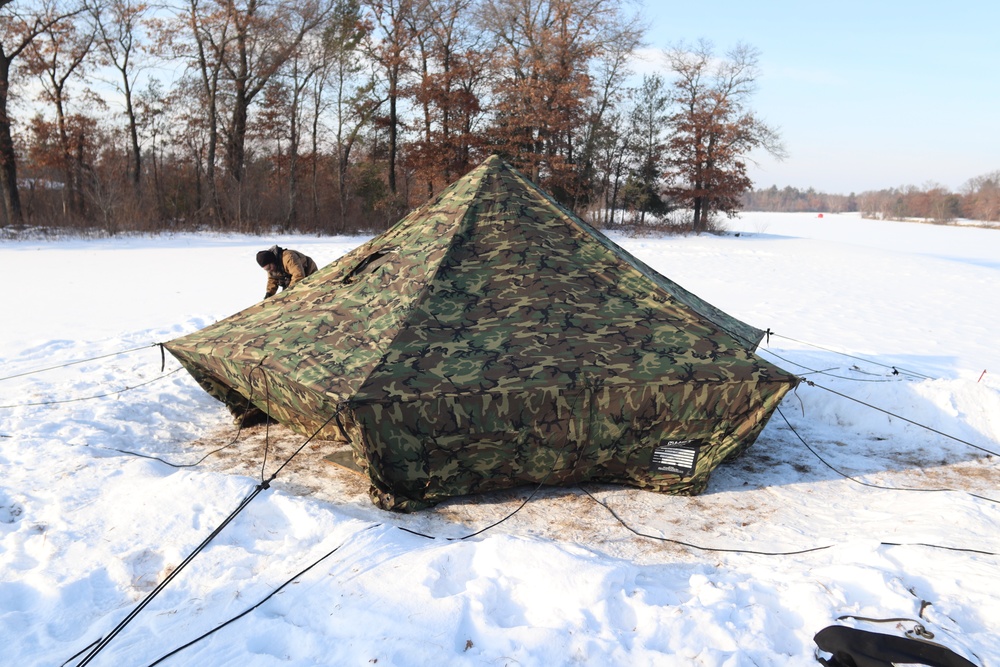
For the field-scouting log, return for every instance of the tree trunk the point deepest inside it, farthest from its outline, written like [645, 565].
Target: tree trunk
[236, 146]
[136, 166]
[698, 223]
[393, 130]
[343, 155]
[293, 170]
[70, 185]
[8, 160]
[214, 204]
[314, 162]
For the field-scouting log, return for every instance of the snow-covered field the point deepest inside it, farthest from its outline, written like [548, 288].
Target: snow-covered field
[728, 578]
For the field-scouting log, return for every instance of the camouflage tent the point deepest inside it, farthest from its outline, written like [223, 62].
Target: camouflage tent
[493, 339]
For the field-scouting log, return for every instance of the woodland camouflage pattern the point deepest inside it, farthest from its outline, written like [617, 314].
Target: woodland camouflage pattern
[493, 339]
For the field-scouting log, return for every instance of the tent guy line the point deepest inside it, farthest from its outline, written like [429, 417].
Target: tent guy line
[481, 530]
[812, 371]
[264, 485]
[772, 553]
[862, 483]
[896, 369]
[90, 398]
[105, 640]
[80, 361]
[908, 421]
[259, 603]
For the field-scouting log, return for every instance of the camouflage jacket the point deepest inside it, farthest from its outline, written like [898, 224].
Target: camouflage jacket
[293, 266]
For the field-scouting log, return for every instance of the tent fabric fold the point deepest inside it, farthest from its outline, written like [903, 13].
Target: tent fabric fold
[492, 339]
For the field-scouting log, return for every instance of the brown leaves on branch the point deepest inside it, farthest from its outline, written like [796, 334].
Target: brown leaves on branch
[340, 115]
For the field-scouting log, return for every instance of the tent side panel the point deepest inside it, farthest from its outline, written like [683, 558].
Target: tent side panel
[665, 438]
[237, 383]
[215, 386]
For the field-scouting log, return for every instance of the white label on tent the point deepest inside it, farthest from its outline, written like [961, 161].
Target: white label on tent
[677, 457]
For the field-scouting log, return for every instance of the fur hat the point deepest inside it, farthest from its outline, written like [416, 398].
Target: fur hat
[265, 257]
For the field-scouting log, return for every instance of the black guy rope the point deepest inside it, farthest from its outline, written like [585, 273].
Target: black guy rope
[519, 508]
[909, 421]
[90, 398]
[303, 445]
[944, 547]
[489, 527]
[267, 423]
[258, 604]
[104, 641]
[863, 483]
[695, 546]
[195, 464]
[775, 553]
[239, 431]
[80, 361]
[895, 369]
[813, 371]
[78, 653]
[163, 584]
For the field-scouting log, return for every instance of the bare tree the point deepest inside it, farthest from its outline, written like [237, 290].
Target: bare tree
[611, 165]
[390, 46]
[713, 129]
[57, 55]
[264, 37]
[557, 68]
[21, 22]
[284, 109]
[237, 47]
[982, 197]
[619, 38]
[208, 25]
[451, 56]
[353, 100]
[119, 25]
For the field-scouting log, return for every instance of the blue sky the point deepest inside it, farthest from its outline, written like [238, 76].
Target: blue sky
[867, 95]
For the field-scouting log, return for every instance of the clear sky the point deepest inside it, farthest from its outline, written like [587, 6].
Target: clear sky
[866, 94]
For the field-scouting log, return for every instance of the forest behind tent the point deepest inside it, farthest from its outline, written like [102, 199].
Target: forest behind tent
[493, 339]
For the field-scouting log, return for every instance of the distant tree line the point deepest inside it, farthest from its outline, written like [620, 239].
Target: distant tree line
[793, 200]
[341, 115]
[978, 199]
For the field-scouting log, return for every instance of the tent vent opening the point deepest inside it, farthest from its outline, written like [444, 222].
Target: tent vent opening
[370, 263]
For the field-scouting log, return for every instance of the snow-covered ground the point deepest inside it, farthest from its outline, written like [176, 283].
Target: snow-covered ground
[725, 578]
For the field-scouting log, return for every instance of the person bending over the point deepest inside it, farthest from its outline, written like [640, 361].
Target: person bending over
[284, 268]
